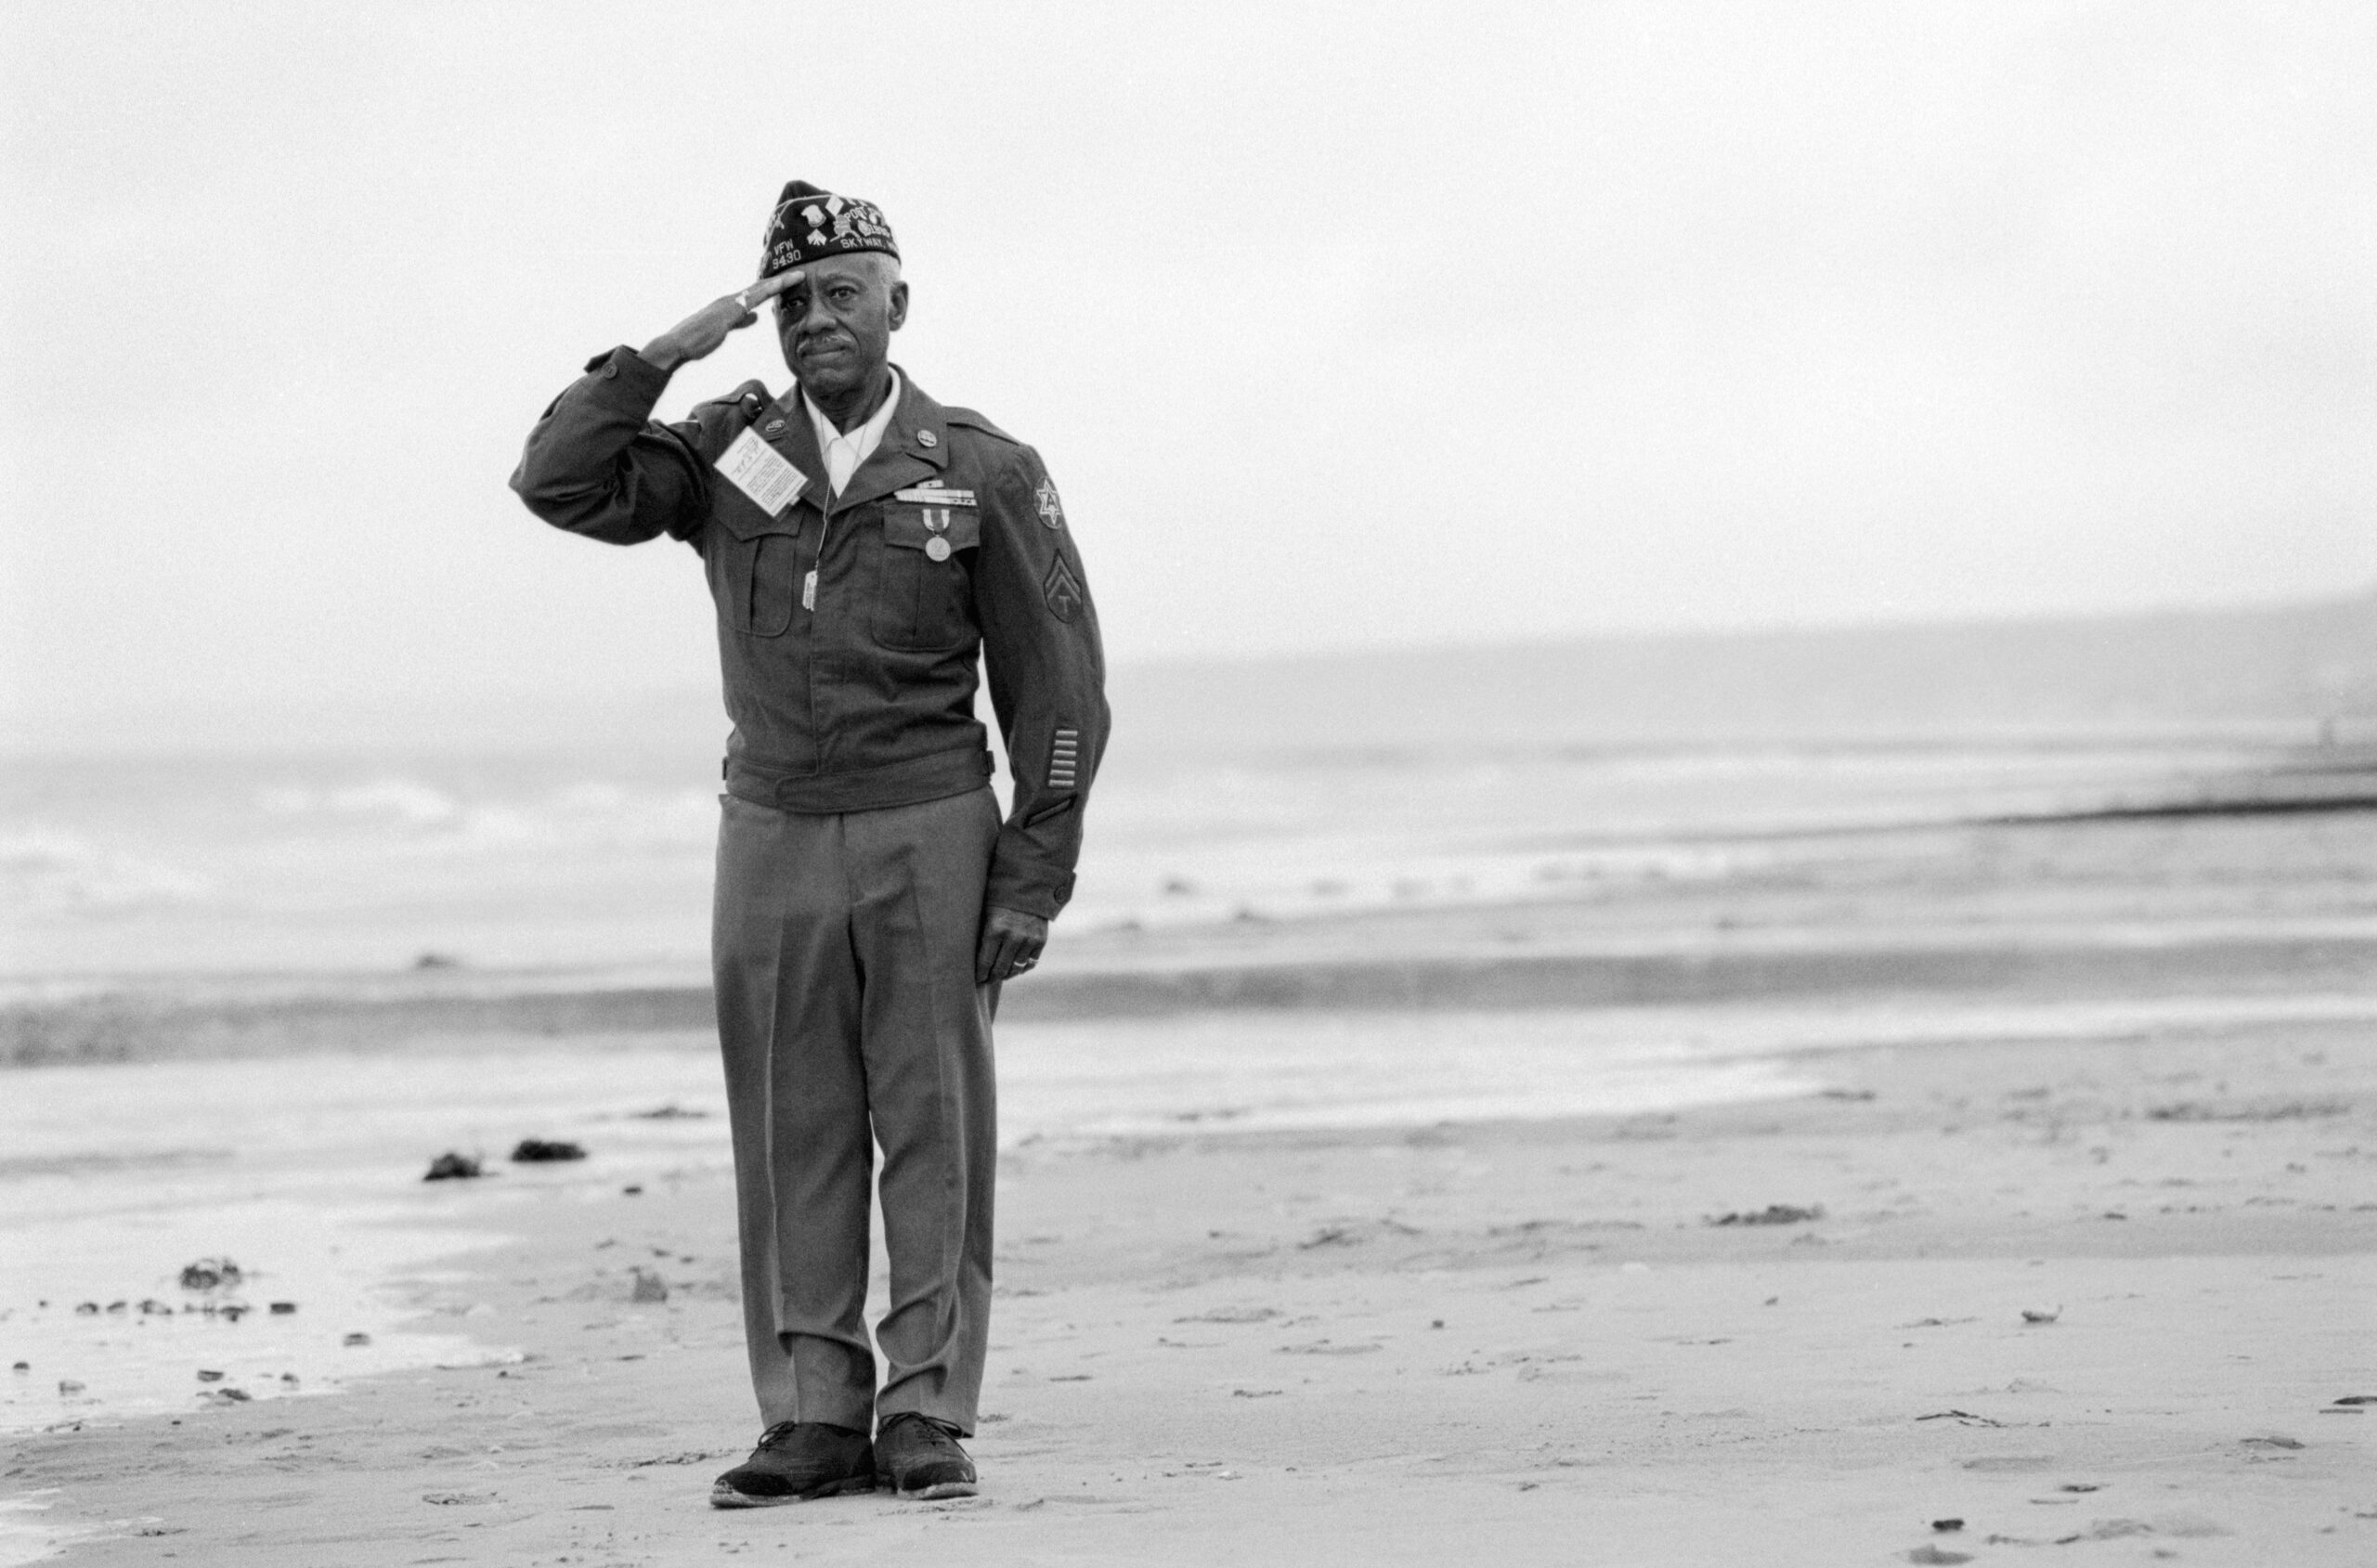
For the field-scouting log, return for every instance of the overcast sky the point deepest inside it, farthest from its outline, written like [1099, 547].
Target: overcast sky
[1338, 326]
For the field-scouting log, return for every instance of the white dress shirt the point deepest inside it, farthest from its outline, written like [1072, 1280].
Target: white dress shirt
[843, 454]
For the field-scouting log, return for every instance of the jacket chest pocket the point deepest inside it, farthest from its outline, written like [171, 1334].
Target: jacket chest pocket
[924, 600]
[755, 567]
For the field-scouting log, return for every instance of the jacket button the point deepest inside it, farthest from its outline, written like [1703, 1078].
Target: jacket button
[611, 372]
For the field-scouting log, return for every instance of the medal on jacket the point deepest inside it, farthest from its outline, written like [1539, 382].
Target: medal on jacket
[937, 547]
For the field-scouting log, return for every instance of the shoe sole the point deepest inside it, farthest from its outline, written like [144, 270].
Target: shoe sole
[727, 1497]
[933, 1493]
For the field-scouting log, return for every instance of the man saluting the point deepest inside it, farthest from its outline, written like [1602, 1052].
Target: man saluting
[864, 544]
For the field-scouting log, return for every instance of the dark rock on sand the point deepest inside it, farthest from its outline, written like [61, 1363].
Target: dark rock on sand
[211, 1274]
[1773, 1214]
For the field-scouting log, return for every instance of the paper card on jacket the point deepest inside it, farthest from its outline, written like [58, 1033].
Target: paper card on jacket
[760, 472]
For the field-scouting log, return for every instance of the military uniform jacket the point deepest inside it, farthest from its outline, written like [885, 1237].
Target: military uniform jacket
[948, 543]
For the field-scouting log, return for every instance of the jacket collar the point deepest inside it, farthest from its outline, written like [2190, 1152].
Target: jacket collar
[915, 448]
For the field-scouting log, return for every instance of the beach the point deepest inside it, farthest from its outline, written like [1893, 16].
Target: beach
[1754, 944]
[2097, 1295]
[1932, 1190]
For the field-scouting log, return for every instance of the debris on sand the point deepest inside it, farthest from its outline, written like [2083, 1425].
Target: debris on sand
[672, 1111]
[207, 1375]
[357, 1339]
[1232, 1314]
[22, 1367]
[649, 1287]
[453, 1166]
[2265, 1110]
[211, 1274]
[1773, 1214]
[1962, 1418]
[2040, 1315]
[540, 1151]
[282, 1309]
[436, 961]
[1947, 1526]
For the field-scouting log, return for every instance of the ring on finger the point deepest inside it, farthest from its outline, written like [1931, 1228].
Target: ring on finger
[743, 298]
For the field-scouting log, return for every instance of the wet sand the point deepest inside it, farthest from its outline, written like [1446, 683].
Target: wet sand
[2089, 1269]
[1520, 1339]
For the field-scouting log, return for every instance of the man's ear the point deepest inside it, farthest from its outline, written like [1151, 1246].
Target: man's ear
[899, 305]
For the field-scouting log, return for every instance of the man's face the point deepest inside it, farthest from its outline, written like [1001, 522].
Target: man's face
[836, 325]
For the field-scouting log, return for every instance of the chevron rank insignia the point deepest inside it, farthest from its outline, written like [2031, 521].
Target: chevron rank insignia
[1061, 589]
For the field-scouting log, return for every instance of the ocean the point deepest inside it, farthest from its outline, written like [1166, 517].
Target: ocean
[597, 857]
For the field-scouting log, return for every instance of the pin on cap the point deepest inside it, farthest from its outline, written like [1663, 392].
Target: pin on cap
[809, 224]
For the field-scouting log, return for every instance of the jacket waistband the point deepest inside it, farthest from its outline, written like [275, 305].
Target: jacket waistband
[933, 776]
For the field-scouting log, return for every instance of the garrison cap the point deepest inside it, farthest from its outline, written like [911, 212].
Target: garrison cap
[811, 224]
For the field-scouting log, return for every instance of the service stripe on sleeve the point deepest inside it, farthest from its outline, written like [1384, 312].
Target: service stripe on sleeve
[1064, 755]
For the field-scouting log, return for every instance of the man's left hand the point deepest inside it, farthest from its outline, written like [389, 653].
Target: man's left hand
[1010, 945]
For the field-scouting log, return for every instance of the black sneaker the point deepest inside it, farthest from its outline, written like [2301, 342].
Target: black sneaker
[795, 1462]
[918, 1457]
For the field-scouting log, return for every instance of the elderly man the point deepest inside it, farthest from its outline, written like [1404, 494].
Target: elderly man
[864, 545]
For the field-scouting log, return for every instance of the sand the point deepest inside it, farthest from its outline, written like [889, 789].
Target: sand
[1523, 1339]
[2089, 1270]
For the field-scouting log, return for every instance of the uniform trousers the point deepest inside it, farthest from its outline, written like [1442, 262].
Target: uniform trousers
[849, 1017]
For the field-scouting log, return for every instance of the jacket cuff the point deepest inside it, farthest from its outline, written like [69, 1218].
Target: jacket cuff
[1028, 890]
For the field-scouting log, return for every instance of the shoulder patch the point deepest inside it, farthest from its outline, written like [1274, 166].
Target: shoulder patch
[973, 420]
[1045, 503]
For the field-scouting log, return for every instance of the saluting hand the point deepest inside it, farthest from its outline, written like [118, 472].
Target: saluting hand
[698, 335]
[1011, 943]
